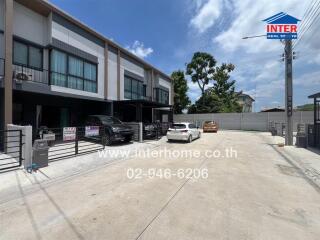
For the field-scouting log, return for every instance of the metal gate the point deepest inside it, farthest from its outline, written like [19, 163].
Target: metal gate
[155, 130]
[10, 149]
[71, 141]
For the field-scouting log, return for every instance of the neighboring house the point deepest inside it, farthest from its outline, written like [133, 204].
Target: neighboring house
[245, 101]
[54, 71]
[274, 109]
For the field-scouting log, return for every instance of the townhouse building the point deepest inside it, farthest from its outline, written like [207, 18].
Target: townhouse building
[55, 71]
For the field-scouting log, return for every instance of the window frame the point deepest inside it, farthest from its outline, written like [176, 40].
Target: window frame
[28, 45]
[159, 96]
[140, 83]
[67, 74]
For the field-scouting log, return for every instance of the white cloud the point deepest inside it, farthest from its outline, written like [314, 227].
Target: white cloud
[309, 79]
[206, 15]
[138, 49]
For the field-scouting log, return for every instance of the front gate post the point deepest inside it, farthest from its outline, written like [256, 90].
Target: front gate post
[20, 147]
[77, 142]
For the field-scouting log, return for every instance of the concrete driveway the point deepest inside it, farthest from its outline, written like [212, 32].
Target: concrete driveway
[261, 191]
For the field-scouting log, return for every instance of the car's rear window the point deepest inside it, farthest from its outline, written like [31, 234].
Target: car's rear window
[179, 126]
[208, 122]
[109, 120]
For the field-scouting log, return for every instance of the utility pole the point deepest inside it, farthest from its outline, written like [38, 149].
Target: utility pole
[288, 96]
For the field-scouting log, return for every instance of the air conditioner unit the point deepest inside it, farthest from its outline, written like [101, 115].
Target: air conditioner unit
[21, 76]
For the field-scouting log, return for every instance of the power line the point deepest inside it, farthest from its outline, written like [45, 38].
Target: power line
[313, 16]
[307, 12]
[305, 16]
[309, 20]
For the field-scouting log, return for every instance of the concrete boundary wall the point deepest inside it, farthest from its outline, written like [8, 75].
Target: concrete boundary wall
[245, 121]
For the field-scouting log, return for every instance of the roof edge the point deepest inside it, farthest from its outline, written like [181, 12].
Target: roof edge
[74, 20]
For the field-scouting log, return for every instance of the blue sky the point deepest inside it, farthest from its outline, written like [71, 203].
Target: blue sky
[166, 33]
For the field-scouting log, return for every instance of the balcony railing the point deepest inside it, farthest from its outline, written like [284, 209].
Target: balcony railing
[26, 74]
[1, 67]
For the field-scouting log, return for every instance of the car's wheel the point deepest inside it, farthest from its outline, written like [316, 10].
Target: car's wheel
[107, 140]
[190, 139]
[128, 139]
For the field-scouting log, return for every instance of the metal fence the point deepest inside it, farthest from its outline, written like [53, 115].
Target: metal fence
[71, 141]
[155, 130]
[10, 149]
[25, 74]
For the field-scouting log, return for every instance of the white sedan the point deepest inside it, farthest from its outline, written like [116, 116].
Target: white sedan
[183, 131]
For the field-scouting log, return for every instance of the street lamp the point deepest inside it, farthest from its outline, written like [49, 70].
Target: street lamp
[257, 36]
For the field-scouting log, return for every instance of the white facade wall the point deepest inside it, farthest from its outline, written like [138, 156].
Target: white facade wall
[112, 76]
[166, 84]
[67, 36]
[30, 25]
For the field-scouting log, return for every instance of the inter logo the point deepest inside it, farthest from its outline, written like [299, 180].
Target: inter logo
[282, 26]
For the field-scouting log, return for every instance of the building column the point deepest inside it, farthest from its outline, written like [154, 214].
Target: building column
[118, 74]
[152, 82]
[106, 70]
[8, 62]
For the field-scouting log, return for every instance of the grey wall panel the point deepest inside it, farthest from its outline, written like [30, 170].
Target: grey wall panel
[1, 14]
[1, 45]
[73, 27]
[133, 75]
[73, 50]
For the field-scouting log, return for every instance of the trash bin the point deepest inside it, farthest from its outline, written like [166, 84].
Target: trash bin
[311, 133]
[301, 140]
[40, 157]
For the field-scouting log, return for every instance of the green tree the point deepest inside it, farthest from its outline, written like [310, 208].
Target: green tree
[201, 69]
[224, 89]
[306, 107]
[207, 103]
[221, 97]
[181, 99]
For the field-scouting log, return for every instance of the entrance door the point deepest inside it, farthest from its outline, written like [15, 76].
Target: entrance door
[55, 117]
[64, 117]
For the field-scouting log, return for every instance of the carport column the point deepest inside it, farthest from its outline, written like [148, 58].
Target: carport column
[138, 112]
[8, 63]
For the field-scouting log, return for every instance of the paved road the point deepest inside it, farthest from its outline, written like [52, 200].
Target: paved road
[262, 193]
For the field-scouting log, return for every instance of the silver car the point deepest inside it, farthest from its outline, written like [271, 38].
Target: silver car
[183, 131]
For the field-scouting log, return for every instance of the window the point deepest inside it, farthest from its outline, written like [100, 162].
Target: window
[179, 126]
[134, 89]
[27, 55]
[161, 95]
[58, 68]
[73, 72]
